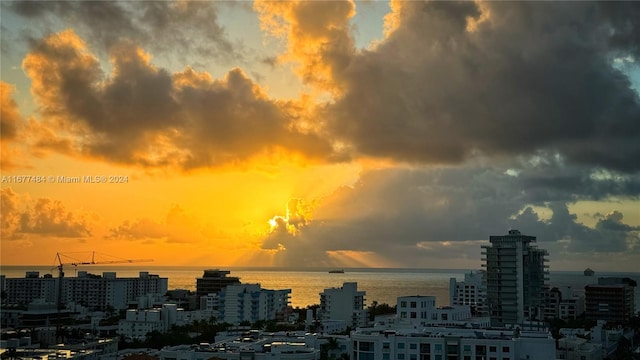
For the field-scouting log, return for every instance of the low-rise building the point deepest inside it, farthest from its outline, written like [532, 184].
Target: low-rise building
[565, 303]
[250, 346]
[247, 302]
[422, 310]
[450, 343]
[576, 348]
[344, 303]
[138, 323]
[472, 292]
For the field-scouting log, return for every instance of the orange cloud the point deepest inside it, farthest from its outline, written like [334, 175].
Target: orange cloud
[11, 124]
[22, 217]
[317, 35]
[178, 226]
[144, 115]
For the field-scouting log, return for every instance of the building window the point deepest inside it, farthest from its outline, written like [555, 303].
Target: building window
[413, 346]
[400, 345]
[413, 304]
[365, 346]
[505, 349]
[492, 349]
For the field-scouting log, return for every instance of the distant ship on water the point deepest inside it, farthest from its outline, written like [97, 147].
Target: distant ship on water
[337, 271]
[588, 272]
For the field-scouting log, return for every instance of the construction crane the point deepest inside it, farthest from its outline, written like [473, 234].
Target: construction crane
[93, 261]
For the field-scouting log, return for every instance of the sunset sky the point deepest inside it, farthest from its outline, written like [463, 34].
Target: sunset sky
[320, 133]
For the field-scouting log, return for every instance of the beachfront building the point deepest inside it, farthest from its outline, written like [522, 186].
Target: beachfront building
[89, 290]
[32, 286]
[138, 323]
[344, 303]
[516, 276]
[248, 303]
[471, 292]
[450, 343]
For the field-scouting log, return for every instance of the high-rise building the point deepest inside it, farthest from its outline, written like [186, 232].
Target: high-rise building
[345, 303]
[516, 276]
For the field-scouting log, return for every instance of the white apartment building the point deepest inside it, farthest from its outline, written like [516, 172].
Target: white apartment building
[471, 291]
[344, 303]
[444, 343]
[255, 346]
[247, 302]
[138, 323]
[89, 290]
[31, 287]
[422, 310]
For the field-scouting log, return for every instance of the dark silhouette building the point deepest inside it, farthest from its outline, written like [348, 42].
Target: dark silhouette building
[214, 280]
[611, 299]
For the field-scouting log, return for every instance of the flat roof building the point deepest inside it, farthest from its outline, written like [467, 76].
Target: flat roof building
[611, 300]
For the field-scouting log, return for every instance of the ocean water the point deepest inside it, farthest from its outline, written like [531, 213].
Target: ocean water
[381, 285]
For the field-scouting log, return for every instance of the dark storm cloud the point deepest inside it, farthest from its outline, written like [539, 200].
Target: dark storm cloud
[175, 27]
[416, 216]
[624, 20]
[535, 75]
[610, 234]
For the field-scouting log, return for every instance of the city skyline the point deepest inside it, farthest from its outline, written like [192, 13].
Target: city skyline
[323, 134]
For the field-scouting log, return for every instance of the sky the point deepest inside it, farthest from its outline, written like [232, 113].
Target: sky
[319, 133]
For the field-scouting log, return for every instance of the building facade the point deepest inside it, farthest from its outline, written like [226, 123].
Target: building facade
[249, 302]
[422, 311]
[212, 281]
[516, 276]
[25, 290]
[344, 303]
[138, 323]
[445, 343]
[90, 290]
[610, 302]
[471, 292]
